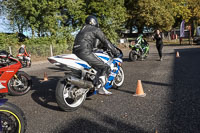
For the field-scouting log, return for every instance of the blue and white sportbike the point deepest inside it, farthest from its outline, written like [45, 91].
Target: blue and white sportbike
[77, 84]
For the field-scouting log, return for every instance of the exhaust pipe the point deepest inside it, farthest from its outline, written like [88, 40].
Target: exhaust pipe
[79, 82]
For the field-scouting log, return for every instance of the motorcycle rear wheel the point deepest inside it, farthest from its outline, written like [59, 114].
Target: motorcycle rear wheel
[12, 119]
[17, 90]
[63, 91]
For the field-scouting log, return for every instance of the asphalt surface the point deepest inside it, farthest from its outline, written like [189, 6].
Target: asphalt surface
[171, 105]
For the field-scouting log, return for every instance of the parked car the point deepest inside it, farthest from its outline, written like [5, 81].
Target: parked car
[196, 39]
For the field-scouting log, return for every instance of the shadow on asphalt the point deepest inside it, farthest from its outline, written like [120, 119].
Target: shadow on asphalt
[126, 60]
[172, 45]
[44, 92]
[185, 99]
[156, 83]
[112, 125]
[126, 91]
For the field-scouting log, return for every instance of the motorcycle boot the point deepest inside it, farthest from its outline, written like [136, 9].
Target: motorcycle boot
[100, 87]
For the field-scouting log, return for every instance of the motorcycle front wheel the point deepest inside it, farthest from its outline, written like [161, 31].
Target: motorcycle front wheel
[119, 79]
[132, 56]
[12, 119]
[19, 84]
[65, 96]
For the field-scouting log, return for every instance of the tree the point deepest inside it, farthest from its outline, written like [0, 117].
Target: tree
[11, 8]
[111, 15]
[150, 13]
[193, 6]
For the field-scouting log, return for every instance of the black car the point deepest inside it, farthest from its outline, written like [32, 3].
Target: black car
[196, 40]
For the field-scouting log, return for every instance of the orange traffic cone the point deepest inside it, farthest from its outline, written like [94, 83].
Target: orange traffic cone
[177, 54]
[45, 77]
[139, 90]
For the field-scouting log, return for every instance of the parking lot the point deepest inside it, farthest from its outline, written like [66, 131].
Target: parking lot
[172, 103]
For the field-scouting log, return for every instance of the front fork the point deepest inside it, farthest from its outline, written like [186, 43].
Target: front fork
[15, 76]
[17, 81]
[111, 77]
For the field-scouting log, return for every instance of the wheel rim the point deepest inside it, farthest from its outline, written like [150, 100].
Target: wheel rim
[133, 56]
[17, 87]
[119, 79]
[71, 102]
[9, 122]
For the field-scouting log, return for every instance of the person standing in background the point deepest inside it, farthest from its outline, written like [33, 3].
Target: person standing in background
[159, 43]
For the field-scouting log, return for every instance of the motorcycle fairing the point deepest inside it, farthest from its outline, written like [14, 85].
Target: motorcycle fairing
[84, 65]
[7, 72]
[72, 61]
[115, 62]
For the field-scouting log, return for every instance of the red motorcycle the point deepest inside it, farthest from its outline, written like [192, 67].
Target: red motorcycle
[25, 59]
[13, 81]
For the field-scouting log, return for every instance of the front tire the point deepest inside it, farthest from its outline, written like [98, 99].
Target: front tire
[12, 119]
[63, 98]
[20, 84]
[119, 79]
[132, 56]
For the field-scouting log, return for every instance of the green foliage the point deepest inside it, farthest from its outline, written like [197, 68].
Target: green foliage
[41, 46]
[111, 15]
[150, 13]
[156, 14]
[37, 46]
[46, 17]
[53, 21]
[7, 40]
[161, 14]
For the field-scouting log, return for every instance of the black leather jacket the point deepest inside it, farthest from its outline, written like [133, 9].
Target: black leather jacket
[158, 39]
[86, 39]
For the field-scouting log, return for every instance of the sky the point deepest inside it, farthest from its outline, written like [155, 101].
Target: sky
[4, 25]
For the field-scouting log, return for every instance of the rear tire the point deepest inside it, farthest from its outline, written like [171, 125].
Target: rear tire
[132, 56]
[15, 89]
[12, 119]
[62, 96]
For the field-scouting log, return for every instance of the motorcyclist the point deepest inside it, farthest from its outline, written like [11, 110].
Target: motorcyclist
[142, 43]
[83, 48]
[23, 52]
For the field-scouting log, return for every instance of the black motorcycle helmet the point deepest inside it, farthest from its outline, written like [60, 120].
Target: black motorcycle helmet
[92, 20]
